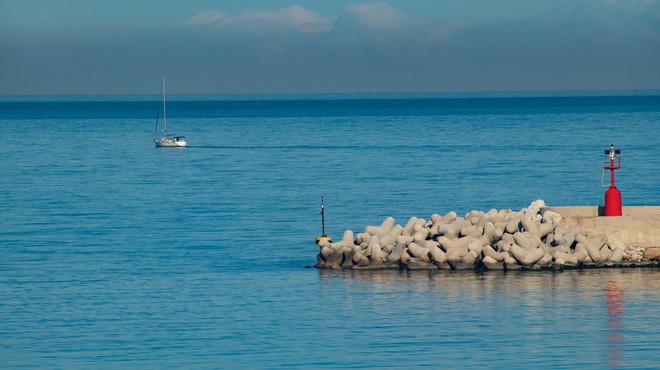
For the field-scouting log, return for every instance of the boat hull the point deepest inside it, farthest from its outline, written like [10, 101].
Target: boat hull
[169, 143]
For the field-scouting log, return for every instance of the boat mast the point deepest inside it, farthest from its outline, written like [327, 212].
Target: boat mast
[164, 111]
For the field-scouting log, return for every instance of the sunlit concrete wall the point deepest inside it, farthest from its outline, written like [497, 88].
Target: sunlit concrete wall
[638, 226]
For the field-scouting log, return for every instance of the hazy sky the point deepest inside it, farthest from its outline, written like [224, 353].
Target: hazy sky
[300, 46]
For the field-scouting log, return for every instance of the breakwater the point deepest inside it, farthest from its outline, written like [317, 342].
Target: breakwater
[532, 238]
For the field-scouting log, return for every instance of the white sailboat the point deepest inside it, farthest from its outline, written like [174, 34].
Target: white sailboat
[168, 141]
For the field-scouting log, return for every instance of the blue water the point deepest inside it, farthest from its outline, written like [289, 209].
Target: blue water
[115, 254]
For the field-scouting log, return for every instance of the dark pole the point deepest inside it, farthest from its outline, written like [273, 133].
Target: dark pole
[322, 217]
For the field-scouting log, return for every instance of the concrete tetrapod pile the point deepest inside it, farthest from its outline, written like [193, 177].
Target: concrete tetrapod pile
[495, 240]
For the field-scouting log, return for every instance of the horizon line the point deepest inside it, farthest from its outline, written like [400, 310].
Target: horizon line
[509, 93]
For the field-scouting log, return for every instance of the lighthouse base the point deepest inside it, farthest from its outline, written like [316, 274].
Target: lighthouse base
[613, 202]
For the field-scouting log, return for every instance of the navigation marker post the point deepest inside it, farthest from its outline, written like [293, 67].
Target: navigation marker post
[323, 236]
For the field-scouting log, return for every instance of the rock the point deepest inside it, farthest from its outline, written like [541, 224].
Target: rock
[442, 265]
[549, 239]
[527, 240]
[563, 236]
[381, 230]
[505, 245]
[449, 217]
[491, 234]
[492, 264]
[332, 258]
[376, 254]
[511, 264]
[615, 243]
[592, 248]
[526, 257]
[588, 261]
[545, 229]
[362, 239]
[530, 226]
[580, 253]
[407, 230]
[405, 257]
[418, 264]
[513, 226]
[605, 253]
[448, 244]
[566, 258]
[417, 251]
[452, 229]
[633, 253]
[466, 262]
[359, 259]
[346, 241]
[534, 208]
[476, 246]
[399, 247]
[472, 229]
[652, 253]
[488, 251]
[616, 256]
[553, 218]
[347, 258]
[545, 261]
[421, 235]
[437, 255]
[391, 236]
[456, 251]
[560, 248]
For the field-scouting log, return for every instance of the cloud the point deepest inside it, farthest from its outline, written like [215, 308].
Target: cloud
[381, 29]
[377, 16]
[205, 17]
[295, 17]
[378, 47]
[306, 20]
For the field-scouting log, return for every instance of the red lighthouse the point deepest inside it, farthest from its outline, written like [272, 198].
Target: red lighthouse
[612, 195]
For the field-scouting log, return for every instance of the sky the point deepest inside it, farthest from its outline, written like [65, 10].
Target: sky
[81, 47]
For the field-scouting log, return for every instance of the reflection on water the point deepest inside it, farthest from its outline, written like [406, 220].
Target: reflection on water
[615, 301]
[595, 318]
[587, 281]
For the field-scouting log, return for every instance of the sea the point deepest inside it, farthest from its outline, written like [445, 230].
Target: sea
[115, 254]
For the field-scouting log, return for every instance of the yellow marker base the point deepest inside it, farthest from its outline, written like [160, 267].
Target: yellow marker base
[323, 237]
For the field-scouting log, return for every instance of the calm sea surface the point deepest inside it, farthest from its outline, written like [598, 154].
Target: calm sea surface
[116, 254]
